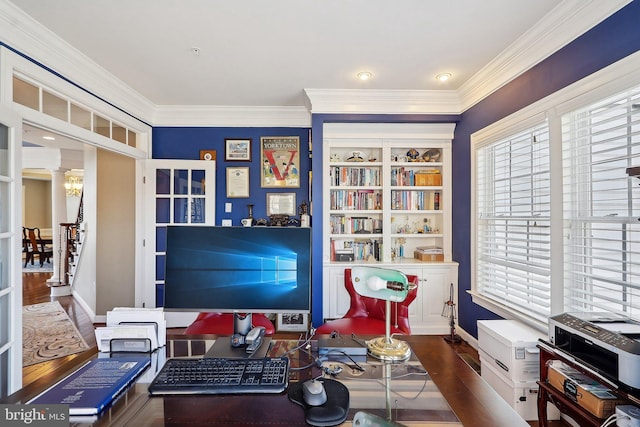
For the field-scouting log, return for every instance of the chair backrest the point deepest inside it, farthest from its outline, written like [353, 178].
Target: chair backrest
[31, 236]
[375, 308]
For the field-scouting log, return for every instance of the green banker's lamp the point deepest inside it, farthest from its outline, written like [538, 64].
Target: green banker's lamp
[390, 286]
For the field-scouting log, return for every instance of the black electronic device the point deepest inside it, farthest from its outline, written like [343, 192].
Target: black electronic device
[238, 269]
[221, 376]
[252, 340]
[331, 413]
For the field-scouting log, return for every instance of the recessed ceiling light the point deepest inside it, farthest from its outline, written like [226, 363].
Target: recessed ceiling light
[364, 75]
[49, 138]
[443, 77]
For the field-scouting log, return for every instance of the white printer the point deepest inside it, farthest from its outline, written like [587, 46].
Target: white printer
[510, 363]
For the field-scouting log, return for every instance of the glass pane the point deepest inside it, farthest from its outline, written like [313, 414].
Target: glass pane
[4, 320]
[4, 150]
[131, 138]
[163, 181]
[161, 239]
[54, 106]
[101, 126]
[80, 117]
[4, 374]
[181, 181]
[26, 94]
[4, 263]
[160, 261]
[197, 182]
[159, 295]
[180, 211]
[4, 201]
[163, 207]
[119, 133]
[197, 210]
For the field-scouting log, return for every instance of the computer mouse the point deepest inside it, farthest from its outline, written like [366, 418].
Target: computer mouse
[313, 393]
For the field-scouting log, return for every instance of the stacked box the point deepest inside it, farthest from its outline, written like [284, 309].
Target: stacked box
[584, 390]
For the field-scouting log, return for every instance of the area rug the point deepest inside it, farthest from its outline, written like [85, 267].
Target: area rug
[48, 333]
[47, 267]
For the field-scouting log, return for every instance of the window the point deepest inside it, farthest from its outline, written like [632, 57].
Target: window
[513, 222]
[602, 206]
[557, 216]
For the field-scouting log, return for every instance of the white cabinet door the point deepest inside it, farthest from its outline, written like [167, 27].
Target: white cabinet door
[426, 312]
[335, 299]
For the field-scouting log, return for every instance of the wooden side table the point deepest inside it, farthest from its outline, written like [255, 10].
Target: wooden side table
[565, 405]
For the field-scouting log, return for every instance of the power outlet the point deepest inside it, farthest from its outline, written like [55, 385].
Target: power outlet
[226, 223]
[627, 416]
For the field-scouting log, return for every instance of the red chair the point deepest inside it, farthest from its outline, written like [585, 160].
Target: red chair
[366, 316]
[222, 324]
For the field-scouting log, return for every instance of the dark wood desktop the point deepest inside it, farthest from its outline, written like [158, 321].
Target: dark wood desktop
[472, 400]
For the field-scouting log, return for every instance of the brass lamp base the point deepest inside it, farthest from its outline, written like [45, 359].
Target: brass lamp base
[389, 349]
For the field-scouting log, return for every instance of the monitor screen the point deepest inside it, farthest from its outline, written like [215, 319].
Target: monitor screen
[238, 269]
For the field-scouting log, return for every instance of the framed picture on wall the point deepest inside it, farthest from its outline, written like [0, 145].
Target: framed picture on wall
[280, 161]
[237, 182]
[237, 150]
[292, 322]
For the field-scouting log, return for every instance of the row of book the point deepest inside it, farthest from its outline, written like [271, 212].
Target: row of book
[355, 200]
[415, 200]
[356, 176]
[408, 177]
[356, 250]
[348, 225]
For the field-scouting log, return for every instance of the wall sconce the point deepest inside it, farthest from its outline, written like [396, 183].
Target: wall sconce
[73, 186]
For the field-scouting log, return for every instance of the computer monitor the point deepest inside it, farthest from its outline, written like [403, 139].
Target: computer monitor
[238, 269]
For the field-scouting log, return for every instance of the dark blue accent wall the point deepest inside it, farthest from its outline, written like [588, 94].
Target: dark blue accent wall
[613, 39]
[186, 142]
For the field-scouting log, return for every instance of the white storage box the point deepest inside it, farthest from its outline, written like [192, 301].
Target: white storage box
[512, 347]
[521, 396]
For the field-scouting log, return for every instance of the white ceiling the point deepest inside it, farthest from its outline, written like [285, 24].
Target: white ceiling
[265, 53]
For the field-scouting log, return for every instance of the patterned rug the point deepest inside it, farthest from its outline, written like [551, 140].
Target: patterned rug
[48, 333]
[35, 268]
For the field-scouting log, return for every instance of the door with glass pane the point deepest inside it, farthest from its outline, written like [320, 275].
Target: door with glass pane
[10, 253]
[178, 192]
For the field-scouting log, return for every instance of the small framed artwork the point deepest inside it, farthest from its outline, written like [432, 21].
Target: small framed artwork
[237, 182]
[292, 322]
[280, 161]
[237, 150]
[207, 154]
[281, 204]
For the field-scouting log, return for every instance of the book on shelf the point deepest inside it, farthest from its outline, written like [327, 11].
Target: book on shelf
[95, 385]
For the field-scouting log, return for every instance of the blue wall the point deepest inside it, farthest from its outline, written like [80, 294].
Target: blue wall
[613, 39]
[186, 142]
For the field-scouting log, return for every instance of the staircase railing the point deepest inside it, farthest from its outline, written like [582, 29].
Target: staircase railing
[72, 237]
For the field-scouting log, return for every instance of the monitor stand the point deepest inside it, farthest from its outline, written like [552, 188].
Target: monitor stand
[223, 348]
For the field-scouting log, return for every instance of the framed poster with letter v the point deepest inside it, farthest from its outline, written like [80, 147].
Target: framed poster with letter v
[280, 156]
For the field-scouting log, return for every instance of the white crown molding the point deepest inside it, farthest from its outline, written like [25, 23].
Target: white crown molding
[369, 101]
[565, 23]
[231, 116]
[24, 34]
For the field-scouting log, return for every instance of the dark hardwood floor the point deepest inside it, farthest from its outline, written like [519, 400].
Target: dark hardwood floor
[36, 291]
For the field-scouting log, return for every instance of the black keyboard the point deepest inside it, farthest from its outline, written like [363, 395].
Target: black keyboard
[222, 376]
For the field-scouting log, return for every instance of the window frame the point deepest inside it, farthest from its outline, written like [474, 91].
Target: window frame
[613, 79]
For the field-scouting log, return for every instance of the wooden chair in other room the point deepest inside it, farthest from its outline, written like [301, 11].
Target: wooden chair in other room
[34, 245]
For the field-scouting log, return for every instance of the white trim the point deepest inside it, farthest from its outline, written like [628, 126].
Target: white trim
[230, 116]
[566, 22]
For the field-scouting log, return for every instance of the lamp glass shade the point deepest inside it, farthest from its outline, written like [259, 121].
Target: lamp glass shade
[380, 283]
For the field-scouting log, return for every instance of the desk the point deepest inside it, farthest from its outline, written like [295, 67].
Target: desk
[472, 400]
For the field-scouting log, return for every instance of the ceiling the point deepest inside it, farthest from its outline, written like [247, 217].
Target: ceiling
[265, 53]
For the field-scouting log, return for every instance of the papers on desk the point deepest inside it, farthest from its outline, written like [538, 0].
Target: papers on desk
[90, 389]
[133, 330]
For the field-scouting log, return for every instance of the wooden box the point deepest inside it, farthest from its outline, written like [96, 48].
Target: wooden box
[585, 391]
[430, 179]
[428, 257]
